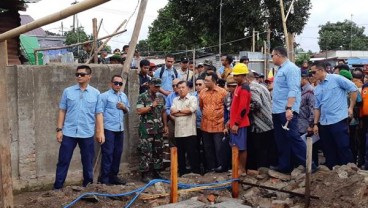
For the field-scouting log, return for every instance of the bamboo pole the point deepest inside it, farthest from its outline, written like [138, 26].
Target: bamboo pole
[95, 34]
[104, 43]
[235, 173]
[74, 9]
[6, 187]
[174, 175]
[308, 171]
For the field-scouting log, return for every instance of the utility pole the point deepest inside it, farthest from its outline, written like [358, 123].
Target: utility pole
[74, 16]
[253, 40]
[95, 46]
[220, 27]
[351, 36]
[268, 48]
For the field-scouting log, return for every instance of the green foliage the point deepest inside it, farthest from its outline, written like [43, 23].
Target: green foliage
[77, 36]
[301, 57]
[342, 36]
[185, 24]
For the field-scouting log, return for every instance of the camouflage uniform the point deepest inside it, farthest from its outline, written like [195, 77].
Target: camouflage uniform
[150, 131]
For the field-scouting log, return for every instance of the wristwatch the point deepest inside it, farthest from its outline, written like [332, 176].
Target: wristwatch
[288, 108]
[58, 129]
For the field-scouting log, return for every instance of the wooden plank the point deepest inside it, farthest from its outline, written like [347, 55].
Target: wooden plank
[308, 171]
[95, 34]
[6, 187]
[174, 175]
[235, 173]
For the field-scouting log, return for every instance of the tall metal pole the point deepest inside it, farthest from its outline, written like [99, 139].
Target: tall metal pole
[351, 36]
[220, 27]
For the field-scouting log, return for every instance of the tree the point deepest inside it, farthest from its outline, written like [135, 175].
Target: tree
[184, 25]
[77, 36]
[301, 57]
[345, 35]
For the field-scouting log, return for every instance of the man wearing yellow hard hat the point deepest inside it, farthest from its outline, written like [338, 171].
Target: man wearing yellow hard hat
[239, 110]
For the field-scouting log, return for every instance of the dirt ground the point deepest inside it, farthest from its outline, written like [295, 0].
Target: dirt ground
[345, 186]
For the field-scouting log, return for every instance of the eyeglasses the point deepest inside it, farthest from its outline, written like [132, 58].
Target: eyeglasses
[231, 85]
[118, 83]
[313, 72]
[170, 61]
[173, 85]
[200, 84]
[272, 55]
[81, 74]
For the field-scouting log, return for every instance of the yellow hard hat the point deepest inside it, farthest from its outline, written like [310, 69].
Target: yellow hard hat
[240, 68]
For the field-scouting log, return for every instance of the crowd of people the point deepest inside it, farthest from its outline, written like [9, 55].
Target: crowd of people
[204, 112]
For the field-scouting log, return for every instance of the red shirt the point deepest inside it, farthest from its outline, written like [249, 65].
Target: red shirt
[240, 106]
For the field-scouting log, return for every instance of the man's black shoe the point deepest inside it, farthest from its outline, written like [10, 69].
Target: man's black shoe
[220, 169]
[118, 181]
[146, 177]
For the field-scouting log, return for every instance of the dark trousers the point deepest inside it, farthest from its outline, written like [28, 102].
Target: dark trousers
[213, 149]
[112, 151]
[87, 151]
[200, 149]
[289, 143]
[362, 143]
[261, 149]
[336, 145]
[187, 145]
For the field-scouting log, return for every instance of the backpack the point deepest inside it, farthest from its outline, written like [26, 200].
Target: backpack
[163, 70]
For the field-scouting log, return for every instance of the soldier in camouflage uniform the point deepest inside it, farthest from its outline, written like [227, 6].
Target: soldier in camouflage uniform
[152, 126]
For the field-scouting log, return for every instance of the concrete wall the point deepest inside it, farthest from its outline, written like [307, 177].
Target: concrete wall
[33, 96]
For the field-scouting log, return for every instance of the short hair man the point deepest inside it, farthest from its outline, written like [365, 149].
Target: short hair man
[79, 117]
[152, 126]
[239, 110]
[285, 109]
[167, 74]
[183, 110]
[143, 75]
[114, 104]
[171, 120]
[184, 71]
[331, 111]
[244, 60]
[212, 125]
[226, 62]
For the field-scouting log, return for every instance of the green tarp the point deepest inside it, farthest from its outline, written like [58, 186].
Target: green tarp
[28, 44]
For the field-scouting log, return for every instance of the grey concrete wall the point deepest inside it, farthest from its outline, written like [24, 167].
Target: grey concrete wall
[33, 97]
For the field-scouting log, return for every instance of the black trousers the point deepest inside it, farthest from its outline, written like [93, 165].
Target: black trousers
[187, 145]
[214, 149]
[261, 150]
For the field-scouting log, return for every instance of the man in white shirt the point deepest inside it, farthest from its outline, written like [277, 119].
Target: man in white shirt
[183, 110]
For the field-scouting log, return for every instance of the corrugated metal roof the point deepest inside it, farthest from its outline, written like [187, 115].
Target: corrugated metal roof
[25, 19]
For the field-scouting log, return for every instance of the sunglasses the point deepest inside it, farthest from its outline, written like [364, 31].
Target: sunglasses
[231, 85]
[272, 55]
[313, 72]
[118, 83]
[81, 74]
[198, 84]
[173, 86]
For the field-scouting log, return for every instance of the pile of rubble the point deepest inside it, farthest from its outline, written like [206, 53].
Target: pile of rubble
[344, 186]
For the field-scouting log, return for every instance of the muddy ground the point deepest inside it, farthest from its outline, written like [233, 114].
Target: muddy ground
[345, 186]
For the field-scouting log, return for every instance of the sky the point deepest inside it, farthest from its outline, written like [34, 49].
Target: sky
[114, 12]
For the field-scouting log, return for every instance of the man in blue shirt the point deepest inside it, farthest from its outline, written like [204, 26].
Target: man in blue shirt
[114, 104]
[285, 109]
[79, 116]
[167, 74]
[170, 118]
[331, 111]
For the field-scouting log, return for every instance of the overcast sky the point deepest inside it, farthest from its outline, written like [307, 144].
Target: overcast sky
[115, 11]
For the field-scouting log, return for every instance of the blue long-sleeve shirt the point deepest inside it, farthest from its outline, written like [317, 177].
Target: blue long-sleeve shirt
[169, 101]
[286, 85]
[113, 117]
[331, 99]
[80, 108]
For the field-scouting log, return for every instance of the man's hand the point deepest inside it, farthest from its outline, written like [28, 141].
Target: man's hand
[155, 102]
[226, 131]
[100, 138]
[234, 129]
[315, 129]
[59, 136]
[166, 130]
[289, 115]
[309, 130]
[120, 106]
[350, 112]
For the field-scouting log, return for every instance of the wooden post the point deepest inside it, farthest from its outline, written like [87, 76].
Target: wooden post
[134, 39]
[174, 174]
[235, 173]
[95, 34]
[254, 40]
[74, 9]
[108, 39]
[308, 171]
[268, 51]
[36, 57]
[284, 26]
[6, 187]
